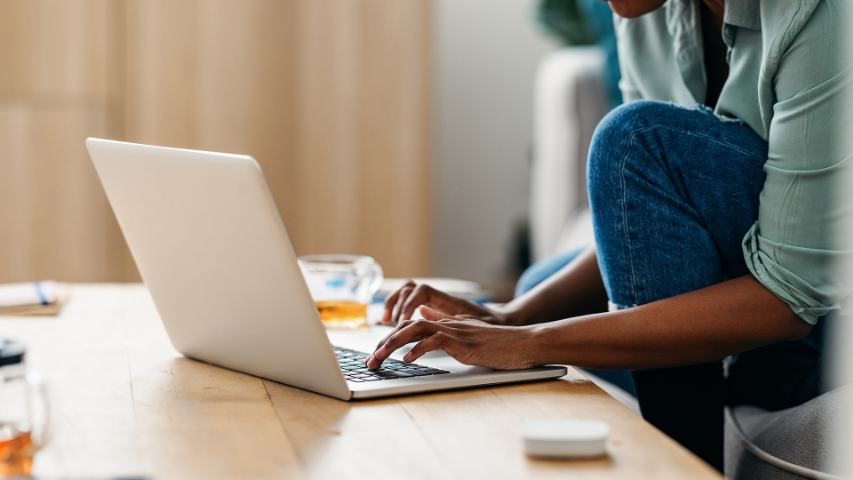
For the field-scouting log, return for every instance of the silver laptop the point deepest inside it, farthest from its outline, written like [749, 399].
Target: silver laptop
[211, 248]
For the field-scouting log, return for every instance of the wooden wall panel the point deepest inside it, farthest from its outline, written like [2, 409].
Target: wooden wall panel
[363, 129]
[59, 85]
[331, 96]
[213, 75]
[327, 66]
[56, 222]
[59, 49]
[394, 92]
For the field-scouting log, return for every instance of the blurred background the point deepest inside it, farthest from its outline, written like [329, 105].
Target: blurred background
[332, 97]
[442, 137]
[398, 129]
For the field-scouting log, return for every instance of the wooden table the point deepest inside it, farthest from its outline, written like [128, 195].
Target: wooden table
[126, 403]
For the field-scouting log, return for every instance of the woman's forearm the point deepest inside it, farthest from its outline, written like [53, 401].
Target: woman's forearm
[696, 327]
[575, 290]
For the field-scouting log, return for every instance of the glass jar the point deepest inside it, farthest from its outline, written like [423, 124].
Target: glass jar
[23, 412]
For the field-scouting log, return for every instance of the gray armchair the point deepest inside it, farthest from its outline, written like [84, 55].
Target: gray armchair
[786, 444]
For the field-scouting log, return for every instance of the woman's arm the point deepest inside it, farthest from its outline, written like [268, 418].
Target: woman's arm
[695, 327]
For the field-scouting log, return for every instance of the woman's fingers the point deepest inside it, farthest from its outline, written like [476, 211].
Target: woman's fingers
[409, 332]
[438, 341]
[435, 315]
[405, 291]
[402, 304]
[432, 314]
[392, 300]
[396, 329]
[389, 306]
[421, 295]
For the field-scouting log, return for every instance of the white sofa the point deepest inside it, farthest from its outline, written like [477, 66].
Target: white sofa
[569, 102]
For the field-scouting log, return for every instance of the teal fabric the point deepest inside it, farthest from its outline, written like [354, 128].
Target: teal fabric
[600, 19]
[565, 20]
[789, 70]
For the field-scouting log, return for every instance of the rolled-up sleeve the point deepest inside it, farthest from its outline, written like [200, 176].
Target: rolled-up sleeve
[793, 249]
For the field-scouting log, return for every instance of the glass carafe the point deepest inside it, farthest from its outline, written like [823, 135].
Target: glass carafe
[23, 412]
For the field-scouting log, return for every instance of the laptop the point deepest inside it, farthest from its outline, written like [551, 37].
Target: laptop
[212, 250]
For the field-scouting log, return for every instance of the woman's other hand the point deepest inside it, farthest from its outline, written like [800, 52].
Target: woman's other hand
[401, 305]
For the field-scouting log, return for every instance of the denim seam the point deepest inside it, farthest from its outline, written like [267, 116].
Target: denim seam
[703, 136]
[625, 224]
[718, 142]
[625, 232]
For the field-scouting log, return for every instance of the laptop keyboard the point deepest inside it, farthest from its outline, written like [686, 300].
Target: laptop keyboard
[352, 364]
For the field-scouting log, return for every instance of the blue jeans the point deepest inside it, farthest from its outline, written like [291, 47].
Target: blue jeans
[673, 191]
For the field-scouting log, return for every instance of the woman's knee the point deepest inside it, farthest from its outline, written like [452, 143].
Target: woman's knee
[620, 127]
[612, 143]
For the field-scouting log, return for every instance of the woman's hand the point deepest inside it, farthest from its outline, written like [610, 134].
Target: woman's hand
[401, 305]
[468, 340]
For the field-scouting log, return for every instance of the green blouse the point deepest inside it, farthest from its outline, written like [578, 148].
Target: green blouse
[789, 70]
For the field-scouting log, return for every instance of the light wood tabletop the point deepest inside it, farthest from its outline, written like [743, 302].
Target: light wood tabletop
[125, 403]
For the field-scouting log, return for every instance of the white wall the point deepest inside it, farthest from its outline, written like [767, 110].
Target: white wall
[486, 52]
